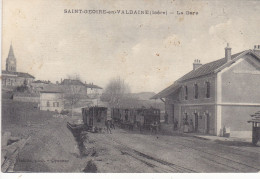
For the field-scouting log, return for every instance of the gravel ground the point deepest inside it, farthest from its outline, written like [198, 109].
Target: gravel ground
[51, 149]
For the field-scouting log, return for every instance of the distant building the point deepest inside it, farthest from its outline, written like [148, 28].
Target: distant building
[12, 78]
[89, 90]
[71, 82]
[93, 91]
[217, 95]
[39, 84]
[51, 98]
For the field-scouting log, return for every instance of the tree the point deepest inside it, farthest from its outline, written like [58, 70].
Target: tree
[115, 92]
[72, 93]
[74, 77]
[22, 88]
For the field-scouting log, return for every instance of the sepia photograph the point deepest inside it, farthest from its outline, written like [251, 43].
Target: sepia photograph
[130, 86]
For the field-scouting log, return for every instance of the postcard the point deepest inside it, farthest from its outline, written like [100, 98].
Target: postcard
[133, 86]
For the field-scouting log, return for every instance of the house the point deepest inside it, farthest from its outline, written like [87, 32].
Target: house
[10, 77]
[93, 91]
[84, 89]
[51, 98]
[217, 95]
[39, 84]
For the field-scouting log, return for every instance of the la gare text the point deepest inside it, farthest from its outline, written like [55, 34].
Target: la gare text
[187, 13]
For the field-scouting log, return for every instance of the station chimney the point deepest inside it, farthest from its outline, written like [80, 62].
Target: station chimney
[196, 64]
[228, 53]
[257, 49]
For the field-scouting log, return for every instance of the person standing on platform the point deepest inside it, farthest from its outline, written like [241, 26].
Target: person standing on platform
[186, 125]
[191, 126]
[108, 121]
[166, 117]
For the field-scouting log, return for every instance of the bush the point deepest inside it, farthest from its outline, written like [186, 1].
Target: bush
[64, 112]
[22, 88]
[91, 167]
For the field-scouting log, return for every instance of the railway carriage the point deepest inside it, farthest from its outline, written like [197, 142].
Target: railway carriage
[94, 116]
[116, 115]
[124, 117]
[151, 118]
[143, 118]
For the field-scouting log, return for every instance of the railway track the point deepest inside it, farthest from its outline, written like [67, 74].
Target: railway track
[241, 162]
[159, 165]
[226, 161]
[221, 160]
[237, 149]
[208, 154]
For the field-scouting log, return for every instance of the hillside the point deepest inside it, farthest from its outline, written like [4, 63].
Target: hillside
[143, 95]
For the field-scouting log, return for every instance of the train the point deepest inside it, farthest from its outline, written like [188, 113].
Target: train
[94, 118]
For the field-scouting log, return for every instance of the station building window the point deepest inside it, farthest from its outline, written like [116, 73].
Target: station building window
[196, 91]
[186, 92]
[207, 89]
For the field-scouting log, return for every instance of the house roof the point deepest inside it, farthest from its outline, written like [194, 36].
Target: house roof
[41, 81]
[79, 83]
[52, 88]
[26, 94]
[255, 117]
[167, 91]
[71, 82]
[206, 69]
[92, 86]
[19, 74]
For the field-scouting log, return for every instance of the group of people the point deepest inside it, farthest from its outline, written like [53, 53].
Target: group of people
[175, 121]
[109, 125]
[154, 128]
[188, 126]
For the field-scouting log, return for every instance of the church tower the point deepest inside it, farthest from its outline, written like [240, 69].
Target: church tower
[11, 61]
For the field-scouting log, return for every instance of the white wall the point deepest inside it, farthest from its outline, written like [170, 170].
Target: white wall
[56, 101]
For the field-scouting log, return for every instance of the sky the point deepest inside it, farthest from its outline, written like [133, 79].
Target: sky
[149, 52]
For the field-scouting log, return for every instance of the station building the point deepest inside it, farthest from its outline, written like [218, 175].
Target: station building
[217, 95]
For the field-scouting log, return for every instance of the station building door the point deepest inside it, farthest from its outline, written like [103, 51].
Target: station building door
[196, 121]
[207, 123]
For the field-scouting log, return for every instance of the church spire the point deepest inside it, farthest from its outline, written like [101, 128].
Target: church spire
[11, 60]
[11, 51]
